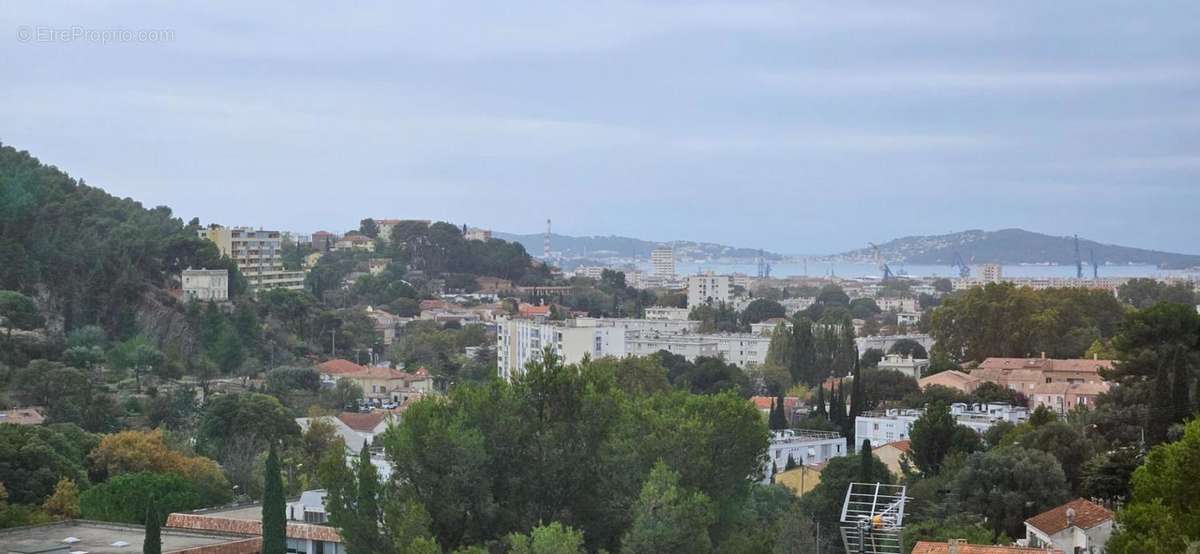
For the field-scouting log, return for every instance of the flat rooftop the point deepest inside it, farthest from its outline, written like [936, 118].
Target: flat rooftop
[97, 537]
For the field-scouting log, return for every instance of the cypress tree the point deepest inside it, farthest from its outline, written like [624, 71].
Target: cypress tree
[821, 401]
[856, 402]
[791, 464]
[152, 544]
[777, 420]
[866, 468]
[274, 508]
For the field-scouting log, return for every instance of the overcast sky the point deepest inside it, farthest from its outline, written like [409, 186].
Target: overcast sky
[797, 127]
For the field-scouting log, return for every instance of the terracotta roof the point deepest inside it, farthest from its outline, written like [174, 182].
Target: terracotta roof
[214, 522]
[339, 366]
[1046, 364]
[948, 375]
[764, 402]
[926, 547]
[1072, 388]
[903, 445]
[1087, 515]
[366, 421]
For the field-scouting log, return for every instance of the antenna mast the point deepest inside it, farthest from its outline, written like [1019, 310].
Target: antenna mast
[546, 242]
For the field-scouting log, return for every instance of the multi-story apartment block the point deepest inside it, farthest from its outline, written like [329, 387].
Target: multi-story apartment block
[884, 427]
[522, 340]
[897, 304]
[205, 285]
[258, 255]
[662, 259]
[660, 312]
[709, 289]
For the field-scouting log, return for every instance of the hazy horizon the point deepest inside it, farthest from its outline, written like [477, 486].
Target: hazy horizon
[793, 128]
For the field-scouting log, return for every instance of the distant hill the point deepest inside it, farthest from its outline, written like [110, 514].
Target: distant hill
[1015, 246]
[626, 247]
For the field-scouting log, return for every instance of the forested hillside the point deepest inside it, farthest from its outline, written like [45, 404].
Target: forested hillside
[85, 256]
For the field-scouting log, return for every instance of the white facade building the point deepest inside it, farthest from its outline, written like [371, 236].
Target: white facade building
[205, 285]
[520, 341]
[912, 367]
[661, 312]
[661, 326]
[805, 447]
[709, 289]
[881, 428]
[258, 255]
[897, 304]
[662, 259]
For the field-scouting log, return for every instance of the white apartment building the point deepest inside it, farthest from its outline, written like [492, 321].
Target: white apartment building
[660, 312]
[804, 446]
[258, 255]
[520, 341]
[660, 326]
[897, 304]
[709, 289]
[912, 367]
[688, 346]
[742, 349]
[883, 427]
[662, 259]
[205, 285]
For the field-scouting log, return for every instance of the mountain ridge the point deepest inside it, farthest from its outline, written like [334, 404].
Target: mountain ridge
[1015, 246]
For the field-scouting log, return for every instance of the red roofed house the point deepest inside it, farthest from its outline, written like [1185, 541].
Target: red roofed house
[960, 546]
[1062, 397]
[1077, 526]
[530, 310]
[763, 403]
[247, 520]
[337, 367]
[1024, 375]
[951, 378]
[891, 453]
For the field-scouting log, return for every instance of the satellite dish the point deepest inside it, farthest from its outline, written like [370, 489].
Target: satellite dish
[873, 518]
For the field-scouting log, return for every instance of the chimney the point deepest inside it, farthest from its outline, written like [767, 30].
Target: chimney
[1070, 517]
[1095, 355]
[954, 546]
[1043, 355]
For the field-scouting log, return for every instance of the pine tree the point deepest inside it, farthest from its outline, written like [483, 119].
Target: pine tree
[152, 544]
[274, 507]
[866, 468]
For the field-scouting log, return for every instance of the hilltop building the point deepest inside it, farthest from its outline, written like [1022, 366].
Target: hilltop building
[205, 285]
[258, 255]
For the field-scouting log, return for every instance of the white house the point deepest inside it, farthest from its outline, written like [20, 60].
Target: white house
[912, 367]
[893, 425]
[1079, 526]
[804, 446]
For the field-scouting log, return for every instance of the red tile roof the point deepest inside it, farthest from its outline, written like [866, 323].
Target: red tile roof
[214, 522]
[926, 547]
[1046, 364]
[339, 366]
[366, 421]
[903, 445]
[764, 402]
[1087, 515]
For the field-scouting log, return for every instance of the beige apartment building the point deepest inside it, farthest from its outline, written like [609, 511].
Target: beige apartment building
[258, 255]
